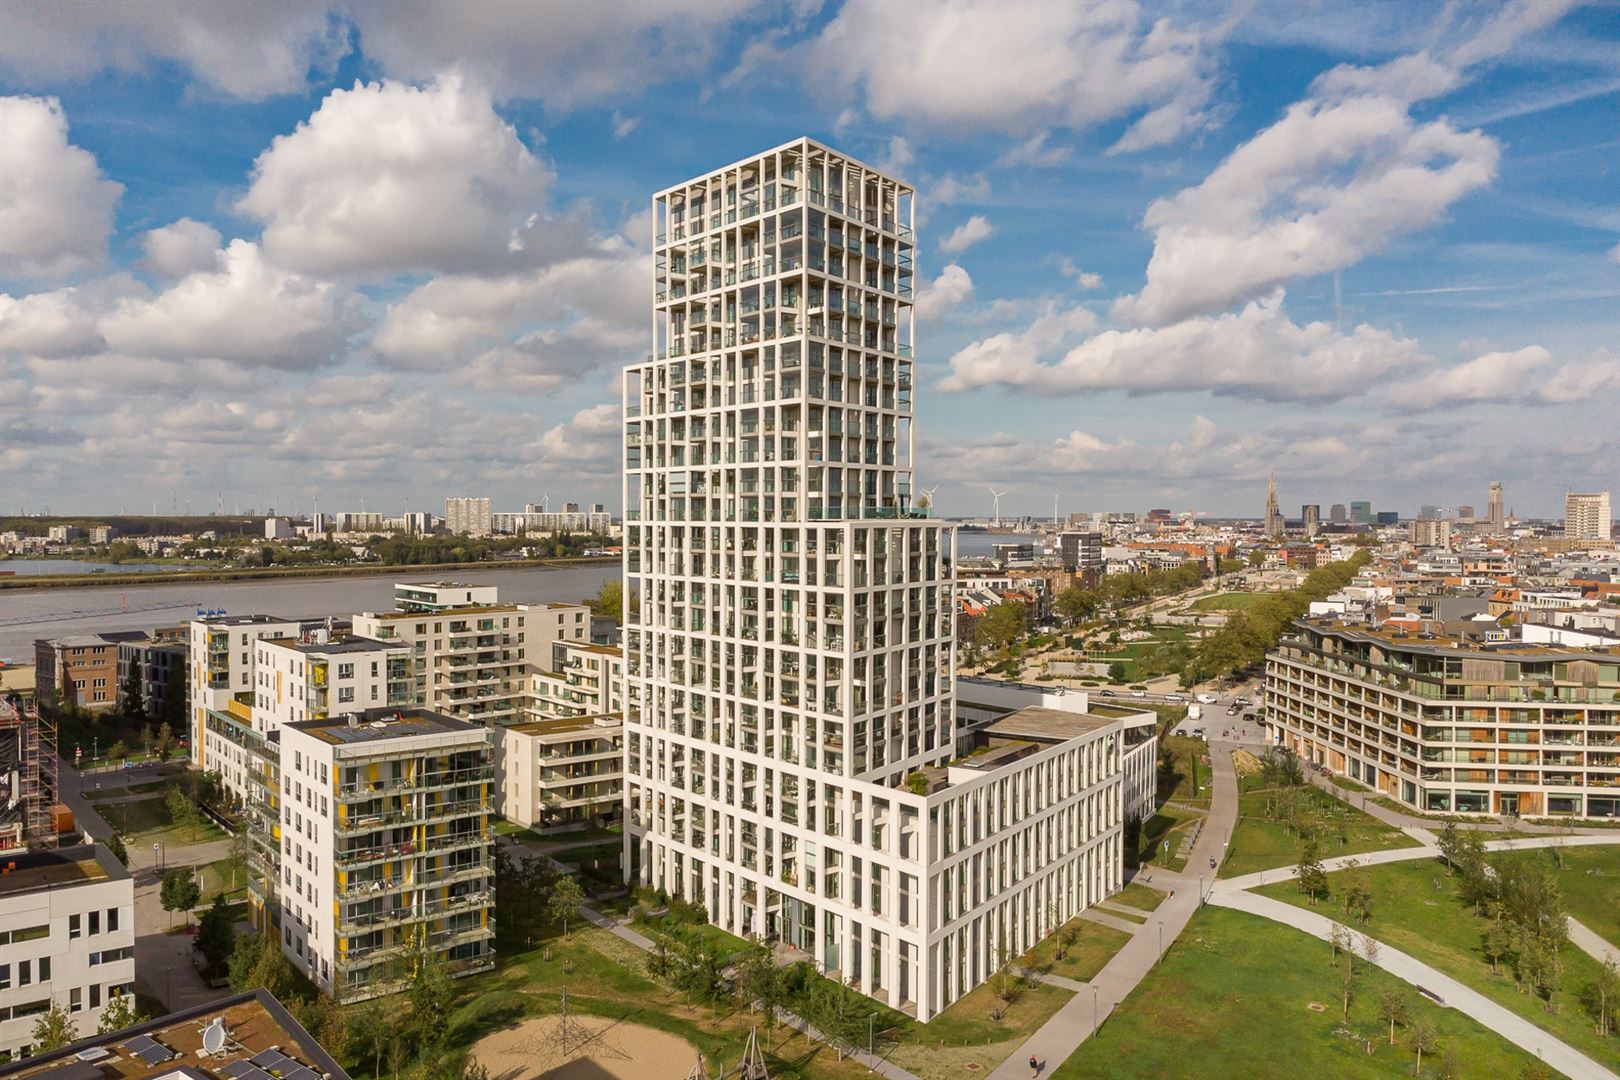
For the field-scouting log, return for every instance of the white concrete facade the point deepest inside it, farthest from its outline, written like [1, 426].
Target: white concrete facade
[67, 937]
[220, 663]
[790, 662]
[385, 844]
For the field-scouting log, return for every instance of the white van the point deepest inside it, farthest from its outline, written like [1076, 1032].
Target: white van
[1207, 699]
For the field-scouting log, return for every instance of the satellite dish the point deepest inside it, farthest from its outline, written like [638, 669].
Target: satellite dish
[213, 1036]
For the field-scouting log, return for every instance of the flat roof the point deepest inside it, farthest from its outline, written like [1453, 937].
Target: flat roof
[343, 643]
[380, 725]
[481, 609]
[1447, 645]
[240, 620]
[36, 871]
[255, 1024]
[554, 725]
[1046, 725]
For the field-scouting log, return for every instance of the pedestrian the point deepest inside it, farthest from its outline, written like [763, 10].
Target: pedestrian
[1034, 1067]
[1172, 894]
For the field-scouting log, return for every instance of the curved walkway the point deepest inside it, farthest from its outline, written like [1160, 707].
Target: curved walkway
[1449, 992]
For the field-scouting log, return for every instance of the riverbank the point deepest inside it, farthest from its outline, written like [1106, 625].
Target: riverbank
[267, 573]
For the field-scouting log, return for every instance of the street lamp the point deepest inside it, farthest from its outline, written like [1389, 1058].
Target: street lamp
[1093, 1008]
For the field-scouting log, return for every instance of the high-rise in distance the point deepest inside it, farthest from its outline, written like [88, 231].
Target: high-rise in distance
[791, 745]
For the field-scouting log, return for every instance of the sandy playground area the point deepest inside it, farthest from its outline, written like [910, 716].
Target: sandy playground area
[593, 1048]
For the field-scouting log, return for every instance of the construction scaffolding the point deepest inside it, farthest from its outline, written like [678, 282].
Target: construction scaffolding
[28, 786]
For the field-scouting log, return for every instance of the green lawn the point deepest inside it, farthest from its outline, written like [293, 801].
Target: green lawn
[147, 821]
[223, 876]
[1415, 908]
[1232, 998]
[1261, 844]
[1173, 824]
[1137, 895]
[1095, 946]
[729, 944]
[1227, 601]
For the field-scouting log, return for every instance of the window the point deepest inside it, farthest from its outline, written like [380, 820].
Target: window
[5, 976]
[75, 1000]
[45, 969]
[95, 922]
[345, 671]
[74, 929]
[95, 995]
[25, 973]
[112, 920]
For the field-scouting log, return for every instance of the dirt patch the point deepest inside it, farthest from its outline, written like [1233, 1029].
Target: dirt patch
[1245, 763]
[586, 1048]
[1316, 1006]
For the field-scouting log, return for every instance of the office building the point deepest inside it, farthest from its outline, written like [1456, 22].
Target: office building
[277, 528]
[1387, 517]
[1587, 517]
[222, 1038]
[1495, 508]
[1310, 519]
[791, 754]
[1431, 532]
[1451, 726]
[1338, 515]
[385, 848]
[1361, 512]
[67, 938]
[1465, 512]
[468, 516]
[1081, 551]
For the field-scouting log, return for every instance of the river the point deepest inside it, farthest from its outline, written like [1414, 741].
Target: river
[26, 614]
[36, 567]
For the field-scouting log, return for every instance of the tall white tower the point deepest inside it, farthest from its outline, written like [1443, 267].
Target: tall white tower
[790, 658]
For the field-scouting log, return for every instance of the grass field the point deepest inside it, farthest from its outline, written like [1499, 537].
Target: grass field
[1232, 998]
[1590, 878]
[1095, 946]
[1227, 601]
[1137, 895]
[147, 821]
[1415, 908]
[1259, 844]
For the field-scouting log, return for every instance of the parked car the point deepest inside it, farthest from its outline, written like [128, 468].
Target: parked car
[1233, 710]
[1242, 701]
[1198, 733]
[1208, 699]
[1138, 693]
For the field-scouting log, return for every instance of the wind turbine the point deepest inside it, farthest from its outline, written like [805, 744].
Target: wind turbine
[928, 495]
[996, 495]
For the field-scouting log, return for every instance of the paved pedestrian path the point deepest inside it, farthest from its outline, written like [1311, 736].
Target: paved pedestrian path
[1084, 1013]
[1451, 993]
[1102, 918]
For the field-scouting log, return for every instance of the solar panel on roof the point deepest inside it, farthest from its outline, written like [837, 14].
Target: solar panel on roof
[238, 1069]
[269, 1059]
[302, 1072]
[149, 1050]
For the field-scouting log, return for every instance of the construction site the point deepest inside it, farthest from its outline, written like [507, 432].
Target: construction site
[30, 814]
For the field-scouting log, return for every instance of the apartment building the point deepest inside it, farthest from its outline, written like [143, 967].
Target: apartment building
[1587, 517]
[220, 656]
[442, 595]
[79, 670]
[1446, 725]
[468, 516]
[385, 848]
[67, 937]
[475, 662]
[789, 668]
[561, 773]
[153, 659]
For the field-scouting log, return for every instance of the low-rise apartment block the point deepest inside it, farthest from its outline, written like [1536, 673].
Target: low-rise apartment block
[1449, 725]
[67, 938]
[561, 773]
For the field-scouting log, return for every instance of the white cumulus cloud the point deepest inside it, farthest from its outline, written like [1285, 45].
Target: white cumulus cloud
[945, 293]
[967, 234]
[386, 178]
[56, 207]
[1256, 353]
[178, 249]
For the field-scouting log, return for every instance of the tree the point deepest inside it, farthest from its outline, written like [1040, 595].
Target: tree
[1312, 878]
[1425, 1039]
[430, 995]
[566, 898]
[1497, 940]
[216, 939]
[164, 742]
[54, 1029]
[182, 811]
[1002, 625]
[115, 844]
[121, 1012]
[1075, 605]
[609, 601]
[1600, 995]
[118, 751]
[1116, 672]
[761, 981]
[1067, 934]
[1392, 1007]
[179, 891]
[132, 701]
[1343, 943]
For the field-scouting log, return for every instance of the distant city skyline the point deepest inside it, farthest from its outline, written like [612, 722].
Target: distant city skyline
[221, 273]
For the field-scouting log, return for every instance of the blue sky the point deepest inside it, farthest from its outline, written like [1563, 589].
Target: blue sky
[274, 253]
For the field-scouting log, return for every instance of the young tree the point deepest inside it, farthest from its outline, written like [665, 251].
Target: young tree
[1312, 878]
[566, 898]
[1002, 625]
[121, 1012]
[115, 844]
[1425, 1039]
[179, 891]
[182, 811]
[164, 742]
[1392, 1008]
[430, 995]
[54, 1029]
[1600, 995]
[118, 751]
[609, 601]
[1497, 940]
[761, 981]
[1344, 945]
